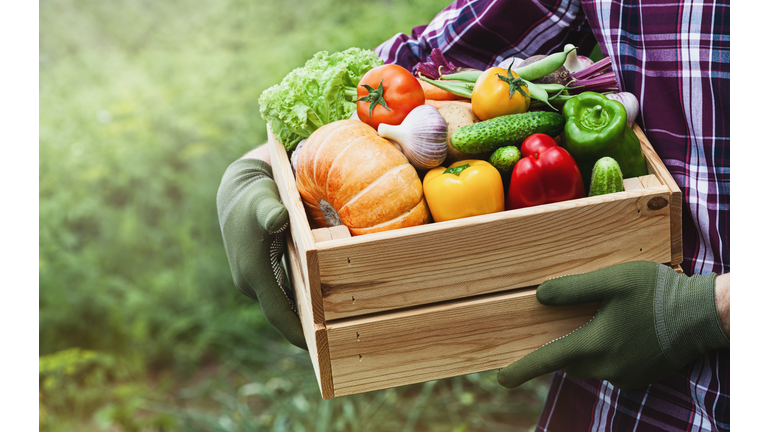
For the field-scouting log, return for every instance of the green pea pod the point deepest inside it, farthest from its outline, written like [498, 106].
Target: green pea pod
[543, 67]
[530, 72]
[468, 76]
[460, 89]
[538, 93]
[596, 126]
[554, 89]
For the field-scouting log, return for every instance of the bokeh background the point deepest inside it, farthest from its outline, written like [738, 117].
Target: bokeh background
[143, 104]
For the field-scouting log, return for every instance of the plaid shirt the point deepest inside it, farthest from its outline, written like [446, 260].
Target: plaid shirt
[675, 57]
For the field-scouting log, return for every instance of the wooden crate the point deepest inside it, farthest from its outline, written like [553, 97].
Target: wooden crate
[452, 298]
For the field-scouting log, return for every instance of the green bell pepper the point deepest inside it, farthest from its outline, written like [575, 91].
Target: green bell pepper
[595, 127]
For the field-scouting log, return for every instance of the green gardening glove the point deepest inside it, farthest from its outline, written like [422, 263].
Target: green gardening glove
[253, 224]
[651, 322]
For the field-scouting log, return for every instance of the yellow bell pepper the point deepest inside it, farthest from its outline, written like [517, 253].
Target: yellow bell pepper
[466, 188]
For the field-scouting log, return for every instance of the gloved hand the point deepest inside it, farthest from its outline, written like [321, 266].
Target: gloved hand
[651, 322]
[253, 224]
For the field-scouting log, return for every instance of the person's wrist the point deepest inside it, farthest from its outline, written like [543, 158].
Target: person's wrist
[690, 324]
[723, 301]
[261, 152]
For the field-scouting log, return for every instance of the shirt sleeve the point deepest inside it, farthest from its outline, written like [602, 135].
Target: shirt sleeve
[482, 33]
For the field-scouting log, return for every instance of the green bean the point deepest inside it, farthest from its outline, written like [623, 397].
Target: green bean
[543, 67]
[537, 92]
[469, 76]
[554, 101]
[553, 88]
[464, 89]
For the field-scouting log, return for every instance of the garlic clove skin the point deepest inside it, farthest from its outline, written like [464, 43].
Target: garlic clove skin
[630, 102]
[422, 137]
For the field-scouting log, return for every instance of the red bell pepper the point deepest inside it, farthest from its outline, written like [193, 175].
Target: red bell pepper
[547, 173]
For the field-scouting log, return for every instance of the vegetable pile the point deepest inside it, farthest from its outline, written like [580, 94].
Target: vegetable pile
[524, 133]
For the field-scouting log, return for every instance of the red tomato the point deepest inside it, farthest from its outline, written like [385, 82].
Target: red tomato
[392, 91]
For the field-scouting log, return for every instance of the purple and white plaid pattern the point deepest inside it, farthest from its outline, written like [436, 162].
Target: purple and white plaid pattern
[675, 57]
[483, 33]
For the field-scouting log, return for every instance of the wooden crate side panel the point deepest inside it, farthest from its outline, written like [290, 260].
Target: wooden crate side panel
[417, 326]
[436, 262]
[301, 233]
[316, 335]
[656, 166]
[444, 341]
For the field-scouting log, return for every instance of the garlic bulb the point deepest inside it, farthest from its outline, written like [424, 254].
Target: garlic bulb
[422, 137]
[630, 103]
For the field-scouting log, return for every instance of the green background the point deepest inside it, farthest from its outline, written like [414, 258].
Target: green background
[143, 104]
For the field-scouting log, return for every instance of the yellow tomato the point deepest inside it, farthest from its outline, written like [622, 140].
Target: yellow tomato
[492, 97]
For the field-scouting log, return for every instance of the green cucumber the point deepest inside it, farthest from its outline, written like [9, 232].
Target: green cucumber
[504, 159]
[606, 177]
[512, 129]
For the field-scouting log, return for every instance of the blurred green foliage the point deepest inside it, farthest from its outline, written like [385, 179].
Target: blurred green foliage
[143, 104]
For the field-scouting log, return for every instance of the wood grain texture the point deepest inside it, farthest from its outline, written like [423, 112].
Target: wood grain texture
[633, 183]
[321, 235]
[301, 234]
[339, 232]
[332, 233]
[650, 180]
[491, 253]
[444, 340]
[316, 335]
[656, 166]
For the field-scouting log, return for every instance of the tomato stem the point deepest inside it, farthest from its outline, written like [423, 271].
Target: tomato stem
[375, 96]
[514, 83]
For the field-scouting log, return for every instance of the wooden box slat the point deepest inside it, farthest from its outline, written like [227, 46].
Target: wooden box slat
[314, 333]
[491, 253]
[300, 232]
[656, 166]
[447, 340]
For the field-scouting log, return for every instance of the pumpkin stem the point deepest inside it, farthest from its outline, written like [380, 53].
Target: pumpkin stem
[330, 214]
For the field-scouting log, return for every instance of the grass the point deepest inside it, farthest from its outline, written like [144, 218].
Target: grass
[143, 104]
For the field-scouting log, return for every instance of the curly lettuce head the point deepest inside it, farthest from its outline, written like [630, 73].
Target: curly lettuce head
[320, 92]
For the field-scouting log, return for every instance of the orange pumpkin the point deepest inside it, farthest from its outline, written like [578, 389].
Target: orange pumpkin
[347, 174]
